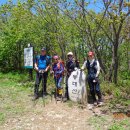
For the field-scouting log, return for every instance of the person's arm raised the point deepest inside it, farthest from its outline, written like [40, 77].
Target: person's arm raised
[84, 65]
[48, 67]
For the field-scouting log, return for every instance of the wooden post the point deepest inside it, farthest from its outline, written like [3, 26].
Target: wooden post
[30, 70]
[30, 74]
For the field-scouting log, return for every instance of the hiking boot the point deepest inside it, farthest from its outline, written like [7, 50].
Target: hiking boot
[100, 103]
[44, 96]
[35, 97]
[44, 93]
[95, 103]
[65, 99]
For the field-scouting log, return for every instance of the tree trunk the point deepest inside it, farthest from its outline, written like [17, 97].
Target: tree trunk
[115, 54]
[19, 56]
[102, 65]
[113, 71]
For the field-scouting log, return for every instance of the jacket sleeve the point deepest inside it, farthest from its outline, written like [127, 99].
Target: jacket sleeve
[98, 69]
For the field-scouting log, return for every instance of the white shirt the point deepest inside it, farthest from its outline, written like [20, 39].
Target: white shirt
[91, 62]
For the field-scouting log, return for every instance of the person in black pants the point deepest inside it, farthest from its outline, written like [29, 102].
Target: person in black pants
[70, 66]
[42, 65]
[93, 68]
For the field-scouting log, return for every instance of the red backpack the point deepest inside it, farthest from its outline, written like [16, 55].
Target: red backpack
[63, 64]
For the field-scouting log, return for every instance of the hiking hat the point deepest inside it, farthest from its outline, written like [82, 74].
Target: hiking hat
[70, 53]
[91, 53]
[55, 57]
[43, 49]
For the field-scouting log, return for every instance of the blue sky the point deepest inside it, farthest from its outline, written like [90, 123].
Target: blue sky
[4, 1]
[97, 7]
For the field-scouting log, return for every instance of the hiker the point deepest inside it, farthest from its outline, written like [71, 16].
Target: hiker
[57, 70]
[93, 68]
[42, 65]
[71, 64]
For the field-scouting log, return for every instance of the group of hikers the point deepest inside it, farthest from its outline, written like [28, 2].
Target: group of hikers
[57, 67]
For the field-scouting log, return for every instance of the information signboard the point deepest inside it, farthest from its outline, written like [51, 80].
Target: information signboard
[28, 57]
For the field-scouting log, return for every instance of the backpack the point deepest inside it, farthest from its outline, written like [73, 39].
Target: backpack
[61, 62]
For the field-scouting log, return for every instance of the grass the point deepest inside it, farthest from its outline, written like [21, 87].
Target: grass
[107, 123]
[120, 94]
[98, 122]
[120, 125]
[2, 117]
[14, 100]
[11, 97]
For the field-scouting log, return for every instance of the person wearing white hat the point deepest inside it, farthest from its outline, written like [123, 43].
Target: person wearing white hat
[70, 54]
[71, 64]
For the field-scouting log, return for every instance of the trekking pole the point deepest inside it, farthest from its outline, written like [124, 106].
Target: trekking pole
[64, 86]
[56, 91]
[42, 72]
[53, 89]
[95, 82]
[35, 101]
[51, 92]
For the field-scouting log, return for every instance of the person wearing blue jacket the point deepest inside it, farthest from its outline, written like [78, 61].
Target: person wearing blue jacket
[57, 70]
[42, 65]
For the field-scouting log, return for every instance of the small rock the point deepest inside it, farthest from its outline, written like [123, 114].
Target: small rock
[90, 106]
[41, 118]
[32, 119]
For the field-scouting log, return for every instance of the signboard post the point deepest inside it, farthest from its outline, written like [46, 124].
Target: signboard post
[28, 60]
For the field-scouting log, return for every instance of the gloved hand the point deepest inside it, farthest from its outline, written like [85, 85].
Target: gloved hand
[46, 70]
[95, 80]
[41, 71]
[75, 68]
[37, 70]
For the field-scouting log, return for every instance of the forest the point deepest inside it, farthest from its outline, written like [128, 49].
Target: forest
[63, 26]
[79, 26]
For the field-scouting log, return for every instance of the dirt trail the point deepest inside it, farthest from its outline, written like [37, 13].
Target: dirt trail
[60, 116]
[51, 117]
[19, 112]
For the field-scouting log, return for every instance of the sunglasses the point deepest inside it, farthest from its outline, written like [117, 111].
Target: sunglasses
[55, 59]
